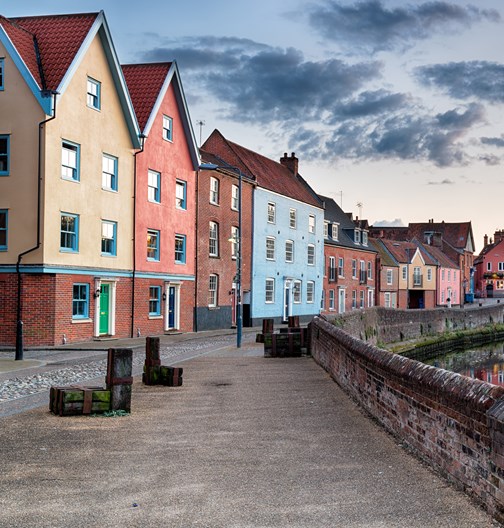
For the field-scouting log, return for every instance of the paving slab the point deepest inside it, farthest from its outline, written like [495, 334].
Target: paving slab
[245, 442]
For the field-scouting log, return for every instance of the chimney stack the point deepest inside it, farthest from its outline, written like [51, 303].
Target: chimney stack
[290, 162]
[485, 241]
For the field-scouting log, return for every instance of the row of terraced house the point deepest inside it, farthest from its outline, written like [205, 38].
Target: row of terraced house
[113, 223]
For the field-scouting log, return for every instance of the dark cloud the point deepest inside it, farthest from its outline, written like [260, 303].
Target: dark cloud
[466, 80]
[372, 26]
[493, 141]
[259, 83]
[446, 181]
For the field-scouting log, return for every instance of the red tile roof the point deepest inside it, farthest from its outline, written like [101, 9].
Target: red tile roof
[144, 83]
[58, 38]
[267, 173]
[403, 252]
[456, 234]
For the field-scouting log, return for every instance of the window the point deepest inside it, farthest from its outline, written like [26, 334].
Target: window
[387, 300]
[417, 277]
[70, 154]
[354, 269]
[152, 244]
[322, 301]
[443, 274]
[4, 155]
[292, 218]
[362, 300]
[341, 267]
[3, 229]
[181, 194]
[326, 229]
[270, 291]
[364, 238]
[2, 74]
[311, 224]
[214, 190]
[109, 238]
[213, 284]
[354, 299]
[180, 249]
[167, 128]
[370, 270]
[154, 300]
[296, 291]
[93, 94]
[335, 232]
[69, 232]
[311, 255]
[213, 239]
[154, 186]
[429, 274]
[271, 213]
[404, 272]
[389, 277]
[357, 236]
[362, 273]
[310, 291]
[80, 301]
[289, 251]
[235, 197]
[489, 266]
[235, 240]
[332, 269]
[331, 299]
[270, 248]
[109, 173]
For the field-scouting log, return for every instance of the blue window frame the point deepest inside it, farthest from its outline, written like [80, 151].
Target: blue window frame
[69, 232]
[154, 186]
[109, 238]
[154, 300]
[180, 249]
[167, 128]
[152, 244]
[80, 301]
[109, 173]
[2, 75]
[93, 93]
[70, 161]
[181, 194]
[4, 155]
[4, 217]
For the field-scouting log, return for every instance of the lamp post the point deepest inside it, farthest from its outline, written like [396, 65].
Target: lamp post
[238, 288]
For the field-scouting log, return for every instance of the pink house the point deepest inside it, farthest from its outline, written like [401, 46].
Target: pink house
[448, 278]
[490, 267]
[165, 189]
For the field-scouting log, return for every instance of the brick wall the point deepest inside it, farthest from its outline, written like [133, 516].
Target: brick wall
[454, 423]
[388, 325]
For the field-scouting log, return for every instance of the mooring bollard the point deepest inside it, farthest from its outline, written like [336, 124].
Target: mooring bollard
[119, 378]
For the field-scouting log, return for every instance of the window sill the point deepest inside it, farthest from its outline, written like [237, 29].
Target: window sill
[156, 316]
[214, 307]
[109, 189]
[70, 180]
[83, 320]
[109, 255]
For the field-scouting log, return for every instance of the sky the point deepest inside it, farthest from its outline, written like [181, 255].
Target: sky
[395, 109]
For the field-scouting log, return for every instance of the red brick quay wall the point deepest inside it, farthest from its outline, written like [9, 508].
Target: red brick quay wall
[454, 423]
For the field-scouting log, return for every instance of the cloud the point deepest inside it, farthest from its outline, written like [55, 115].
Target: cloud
[259, 83]
[369, 25]
[389, 223]
[493, 141]
[446, 181]
[481, 80]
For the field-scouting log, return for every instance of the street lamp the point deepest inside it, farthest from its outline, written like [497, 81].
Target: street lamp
[239, 320]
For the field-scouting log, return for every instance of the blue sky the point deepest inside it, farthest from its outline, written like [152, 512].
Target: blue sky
[395, 105]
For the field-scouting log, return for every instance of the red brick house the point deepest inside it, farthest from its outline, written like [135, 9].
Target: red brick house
[165, 197]
[489, 265]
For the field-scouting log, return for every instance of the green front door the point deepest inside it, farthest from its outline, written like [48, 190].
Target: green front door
[104, 309]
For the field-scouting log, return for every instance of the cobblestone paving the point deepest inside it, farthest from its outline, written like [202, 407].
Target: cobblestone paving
[19, 386]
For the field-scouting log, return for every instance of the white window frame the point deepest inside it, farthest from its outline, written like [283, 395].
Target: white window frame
[310, 254]
[168, 128]
[331, 300]
[335, 231]
[289, 253]
[341, 267]
[296, 291]
[270, 248]
[292, 218]
[213, 239]
[214, 190]
[326, 229]
[271, 213]
[390, 277]
[269, 290]
[310, 292]
[311, 224]
[235, 197]
[235, 237]
[213, 290]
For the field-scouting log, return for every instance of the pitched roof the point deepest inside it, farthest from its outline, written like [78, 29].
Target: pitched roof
[442, 259]
[458, 234]
[145, 82]
[403, 252]
[385, 257]
[56, 38]
[267, 173]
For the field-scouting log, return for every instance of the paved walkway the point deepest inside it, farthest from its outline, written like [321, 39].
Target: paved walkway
[245, 442]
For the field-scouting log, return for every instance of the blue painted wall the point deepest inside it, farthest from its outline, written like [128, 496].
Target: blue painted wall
[279, 269]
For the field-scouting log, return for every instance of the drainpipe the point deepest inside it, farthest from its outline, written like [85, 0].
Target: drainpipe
[19, 322]
[133, 286]
[196, 245]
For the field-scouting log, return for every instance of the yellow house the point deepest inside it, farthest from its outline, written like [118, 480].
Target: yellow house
[68, 137]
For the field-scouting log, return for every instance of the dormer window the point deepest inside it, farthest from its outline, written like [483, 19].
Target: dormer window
[335, 232]
[357, 236]
[326, 229]
[364, 238]
[93, 93]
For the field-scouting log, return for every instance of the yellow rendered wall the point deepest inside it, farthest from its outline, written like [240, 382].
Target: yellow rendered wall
[20, 114]
[97, 132]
